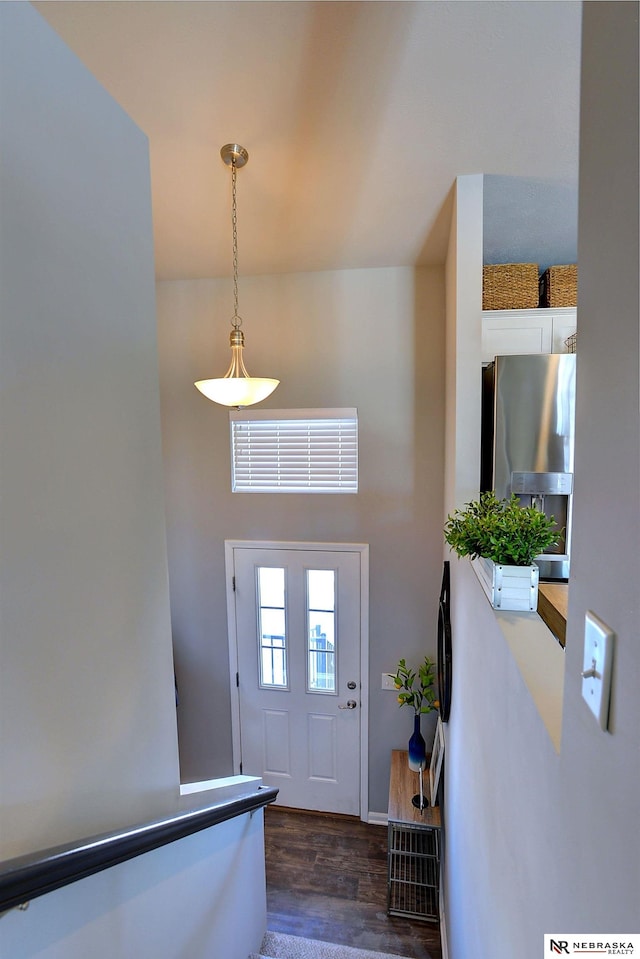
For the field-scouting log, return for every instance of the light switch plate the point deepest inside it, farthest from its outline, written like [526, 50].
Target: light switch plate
[596, 668]
[387, 682]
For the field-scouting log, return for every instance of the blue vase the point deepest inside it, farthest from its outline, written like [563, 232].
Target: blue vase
[417, 747]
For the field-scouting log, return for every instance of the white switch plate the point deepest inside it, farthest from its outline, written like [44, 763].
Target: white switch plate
[387, 682]
[596, 668]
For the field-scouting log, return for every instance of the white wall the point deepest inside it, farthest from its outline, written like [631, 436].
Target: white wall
[373, 339]
[539, 841]
[201, 897]
[88, 718]
[463, 273]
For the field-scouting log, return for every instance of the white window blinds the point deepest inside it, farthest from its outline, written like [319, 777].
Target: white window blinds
[294, 451]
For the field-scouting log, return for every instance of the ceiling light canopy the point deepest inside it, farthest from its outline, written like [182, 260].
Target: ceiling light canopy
[236, 387]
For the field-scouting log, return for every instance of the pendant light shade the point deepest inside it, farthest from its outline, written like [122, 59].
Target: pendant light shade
[236, 387]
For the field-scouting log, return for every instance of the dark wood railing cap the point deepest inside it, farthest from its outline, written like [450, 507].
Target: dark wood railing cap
[27, 877]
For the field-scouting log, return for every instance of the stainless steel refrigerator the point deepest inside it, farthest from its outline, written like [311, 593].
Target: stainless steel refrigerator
[528, 421]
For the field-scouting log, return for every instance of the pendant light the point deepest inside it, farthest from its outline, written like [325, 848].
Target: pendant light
[236, 387]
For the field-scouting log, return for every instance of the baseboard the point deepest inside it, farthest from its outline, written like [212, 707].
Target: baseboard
[443, 938]
[443, 922]
[377, 819]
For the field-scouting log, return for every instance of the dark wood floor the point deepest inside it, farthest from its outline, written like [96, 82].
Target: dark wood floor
[327, 880]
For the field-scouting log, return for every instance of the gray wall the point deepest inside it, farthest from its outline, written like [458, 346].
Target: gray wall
[530, 220]
[540, 841]
[88, 719]
[372, 339]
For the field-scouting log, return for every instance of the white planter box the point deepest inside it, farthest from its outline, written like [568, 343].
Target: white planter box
[508, 587]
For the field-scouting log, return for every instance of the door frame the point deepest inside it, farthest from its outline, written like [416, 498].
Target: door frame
[363, 549]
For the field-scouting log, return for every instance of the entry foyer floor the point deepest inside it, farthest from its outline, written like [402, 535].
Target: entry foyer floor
[327, 880]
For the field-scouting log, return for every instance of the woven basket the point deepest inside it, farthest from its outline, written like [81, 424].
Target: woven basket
[559, 286]
[510, 286]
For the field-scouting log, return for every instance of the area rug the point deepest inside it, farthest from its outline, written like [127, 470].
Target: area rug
[276, 945]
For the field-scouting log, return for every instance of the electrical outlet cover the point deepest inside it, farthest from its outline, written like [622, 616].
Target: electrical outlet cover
[596, 669]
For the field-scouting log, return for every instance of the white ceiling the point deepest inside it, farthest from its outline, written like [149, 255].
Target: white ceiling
[357, 116]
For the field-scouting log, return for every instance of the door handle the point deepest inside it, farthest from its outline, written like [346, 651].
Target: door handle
[350, 704]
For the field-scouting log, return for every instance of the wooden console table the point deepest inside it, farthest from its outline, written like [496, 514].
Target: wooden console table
[414, 846]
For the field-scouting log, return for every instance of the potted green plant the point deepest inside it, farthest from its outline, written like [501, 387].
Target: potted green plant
[421, 697]
[502, 539]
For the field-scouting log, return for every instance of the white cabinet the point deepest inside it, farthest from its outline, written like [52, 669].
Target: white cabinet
[515, 331]
[526, 331]
[565, 324]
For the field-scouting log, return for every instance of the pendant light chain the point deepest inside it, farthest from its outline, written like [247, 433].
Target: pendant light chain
[237, 320]
[236, 388]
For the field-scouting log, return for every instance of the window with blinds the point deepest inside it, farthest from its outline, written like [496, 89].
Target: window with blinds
[294, 451]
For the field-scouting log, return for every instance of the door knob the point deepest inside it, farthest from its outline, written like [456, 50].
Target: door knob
[350, 704]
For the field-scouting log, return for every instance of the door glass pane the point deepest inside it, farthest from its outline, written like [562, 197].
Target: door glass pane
[272, 629]
[321, 623]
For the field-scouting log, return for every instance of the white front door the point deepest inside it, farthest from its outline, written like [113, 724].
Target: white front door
[298, 658]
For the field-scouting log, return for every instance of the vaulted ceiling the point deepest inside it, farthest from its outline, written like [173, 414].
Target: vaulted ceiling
[357, 116]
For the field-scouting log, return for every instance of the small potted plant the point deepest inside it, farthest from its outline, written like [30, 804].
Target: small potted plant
[422, 699]
[502, 539]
